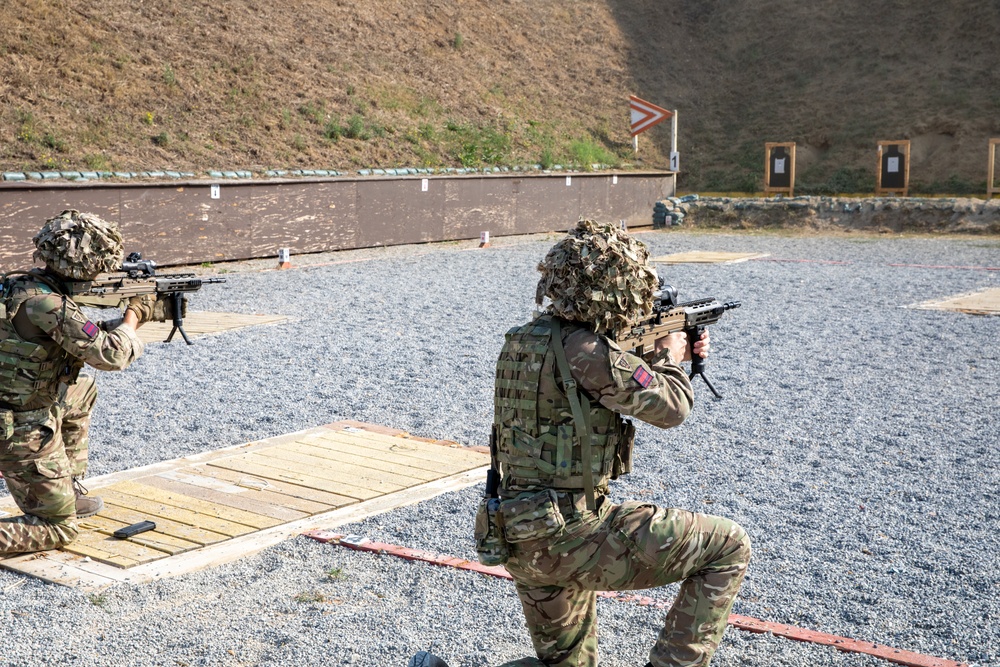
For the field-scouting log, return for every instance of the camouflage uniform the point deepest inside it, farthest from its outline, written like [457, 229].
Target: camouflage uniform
[45, 404]
[560, 551]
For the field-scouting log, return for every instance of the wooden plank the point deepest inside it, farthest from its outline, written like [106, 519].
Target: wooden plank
[350, 426]
[65, 569]
[363, 457]
[248, 544]
[164, 526]
[70, 570]
[350, 483]
[275, 486]
[363, 478]
[154, 539]
[269, 472]
[985, 302]
[386, 435]
[428, 460]
[111, 550]
[416, 449]
[247, 494]
[155, 509]
[358, 428]
[143, 490]
[8, 507]
[289, 492]
[204, 482]
[204, 323]
[339, 469]
[236, 501]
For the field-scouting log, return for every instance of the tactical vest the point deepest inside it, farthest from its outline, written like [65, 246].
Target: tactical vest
[30, 373]
[537, 440]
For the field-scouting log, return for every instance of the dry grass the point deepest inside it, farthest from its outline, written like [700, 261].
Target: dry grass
[195, 85]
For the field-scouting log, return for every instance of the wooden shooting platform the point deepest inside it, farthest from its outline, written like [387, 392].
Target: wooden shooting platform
[218, 506]
[707, 257]
[986, 302]
[200, 323]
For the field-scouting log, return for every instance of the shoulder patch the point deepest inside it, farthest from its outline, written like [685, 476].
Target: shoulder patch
[623, 363]
[642, 376]
[90, 329]
[78, 316]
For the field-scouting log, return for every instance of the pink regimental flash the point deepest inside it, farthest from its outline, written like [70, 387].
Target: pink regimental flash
[90, 329]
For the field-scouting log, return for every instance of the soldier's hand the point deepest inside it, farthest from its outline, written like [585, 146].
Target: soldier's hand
[131, 319]
[163, 309]
[677, 343]
[702, 346]
[142, 306]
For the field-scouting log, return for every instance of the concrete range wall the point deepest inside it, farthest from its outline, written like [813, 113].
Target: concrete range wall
[181, 223]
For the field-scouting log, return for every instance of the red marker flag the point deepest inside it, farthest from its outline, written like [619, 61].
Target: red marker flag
[645, 114]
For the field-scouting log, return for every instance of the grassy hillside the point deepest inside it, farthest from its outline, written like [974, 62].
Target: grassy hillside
[247, 84]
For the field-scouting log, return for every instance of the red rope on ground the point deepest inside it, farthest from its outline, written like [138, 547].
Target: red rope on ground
[747, 623]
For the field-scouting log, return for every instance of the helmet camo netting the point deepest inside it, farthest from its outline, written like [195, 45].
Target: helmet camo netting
[598, 274]
[79, 245]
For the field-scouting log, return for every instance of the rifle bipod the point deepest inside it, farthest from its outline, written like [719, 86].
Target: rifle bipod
[177, 304]
[698, 362]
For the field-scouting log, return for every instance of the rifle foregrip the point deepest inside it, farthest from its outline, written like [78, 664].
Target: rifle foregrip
[697, 361]
[177, 301]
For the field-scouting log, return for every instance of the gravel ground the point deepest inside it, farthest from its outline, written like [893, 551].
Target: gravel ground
[857, 443]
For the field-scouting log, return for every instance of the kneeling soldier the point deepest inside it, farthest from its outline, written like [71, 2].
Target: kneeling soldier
[562, 387]
[45, 403]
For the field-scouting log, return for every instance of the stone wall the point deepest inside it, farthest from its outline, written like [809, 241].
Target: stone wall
[881, 214]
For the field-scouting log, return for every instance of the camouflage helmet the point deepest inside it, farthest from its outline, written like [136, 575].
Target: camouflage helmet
[79, 245]
[598, 274]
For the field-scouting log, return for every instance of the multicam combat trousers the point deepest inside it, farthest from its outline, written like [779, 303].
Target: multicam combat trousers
[49, 448]
[628, 547]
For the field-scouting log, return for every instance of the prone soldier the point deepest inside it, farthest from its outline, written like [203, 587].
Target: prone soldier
[45, 402]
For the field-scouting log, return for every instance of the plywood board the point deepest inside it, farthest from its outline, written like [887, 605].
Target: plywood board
[292, 495]
[218, 506]
[986, 302]
[203, 323]
[707, 257]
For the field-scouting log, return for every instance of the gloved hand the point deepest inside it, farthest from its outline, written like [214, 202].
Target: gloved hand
[163, 309]
[148, 308]
[143, 307]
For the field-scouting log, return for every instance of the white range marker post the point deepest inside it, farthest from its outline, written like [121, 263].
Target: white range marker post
[284, 258]
[675, 157]
[484, 239]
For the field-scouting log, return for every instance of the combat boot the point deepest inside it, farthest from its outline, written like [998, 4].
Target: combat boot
[425, 659]
[85, 506]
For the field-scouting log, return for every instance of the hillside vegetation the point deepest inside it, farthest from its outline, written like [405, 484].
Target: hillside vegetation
[330, 84]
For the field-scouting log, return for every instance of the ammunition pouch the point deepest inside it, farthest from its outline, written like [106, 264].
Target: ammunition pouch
[491, 547]
[532, 516]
